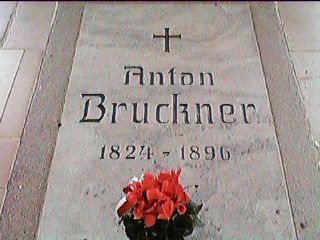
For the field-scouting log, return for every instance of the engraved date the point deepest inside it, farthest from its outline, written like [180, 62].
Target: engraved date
[142, 152]
[133, 152]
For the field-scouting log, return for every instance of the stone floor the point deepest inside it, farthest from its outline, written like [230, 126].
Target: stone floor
[302, 32]
[23, 44]
[25, 30]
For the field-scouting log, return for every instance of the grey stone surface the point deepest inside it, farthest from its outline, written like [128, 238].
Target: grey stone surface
[18, 103]
[290, 117]
[6, 11]
[27, 185]
[8, 149]
[306, 64]
[9, 63]
[303, 29]
[310, 89]
[2, 194]
[31, 26]
[241, 196]
[299, 20]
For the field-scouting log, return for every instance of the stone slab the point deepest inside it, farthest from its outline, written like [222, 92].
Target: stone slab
[2, 193]
[8, 149]
[299, 157]
[298, 20]
[310, 89]
[6, 11]
[18, 104]
[306, 64]
[241, 196]
[9, 63]
[31, 26]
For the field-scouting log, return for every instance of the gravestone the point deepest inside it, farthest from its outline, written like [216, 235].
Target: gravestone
[166, 86]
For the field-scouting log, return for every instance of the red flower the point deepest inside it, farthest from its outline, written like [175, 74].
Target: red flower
[155, 197]
[149, 181]
[181, 208]
[154, 194]
[149, 220]
[138, 210]
[166, 210]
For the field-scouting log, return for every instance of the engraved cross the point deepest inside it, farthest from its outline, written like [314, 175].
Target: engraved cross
[167, 37]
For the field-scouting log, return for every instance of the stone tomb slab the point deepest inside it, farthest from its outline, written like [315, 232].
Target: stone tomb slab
[207, 112]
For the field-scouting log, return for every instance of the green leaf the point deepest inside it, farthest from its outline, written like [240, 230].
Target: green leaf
[132, 227]
[198, 208]
[194, 208]
[183, 225]
[197, 222]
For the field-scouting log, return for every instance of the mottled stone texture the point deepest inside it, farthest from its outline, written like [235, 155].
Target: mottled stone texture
[300, 26]
[290, 117]
[17, 106]
[7, 9]
[27, 186]
[30, 26]
[9, 63]
[244, 198]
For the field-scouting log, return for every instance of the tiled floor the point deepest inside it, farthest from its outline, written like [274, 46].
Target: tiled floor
[300, 21]
[24, 31]
[18, 102]
[6, 11]
[1, 195]
[302, 30]
[9, 63]
[8, 150]
[31, 26]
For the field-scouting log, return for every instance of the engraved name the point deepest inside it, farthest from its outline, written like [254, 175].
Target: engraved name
[173, 111]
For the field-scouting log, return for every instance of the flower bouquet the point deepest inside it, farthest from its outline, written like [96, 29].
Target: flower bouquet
[158, 208]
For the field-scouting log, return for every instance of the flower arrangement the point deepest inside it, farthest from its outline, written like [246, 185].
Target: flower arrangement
[158, 208]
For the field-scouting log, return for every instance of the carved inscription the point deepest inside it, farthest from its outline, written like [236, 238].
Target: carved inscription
[166, 38]
[173, 111]
[185, 153]
[179, 112]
